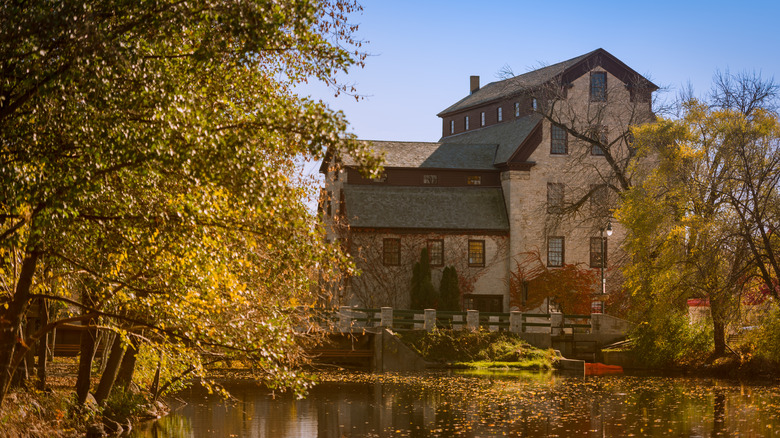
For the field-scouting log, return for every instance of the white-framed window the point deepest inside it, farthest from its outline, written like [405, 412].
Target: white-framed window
[482, 118]
[500, 114]
[555, 251]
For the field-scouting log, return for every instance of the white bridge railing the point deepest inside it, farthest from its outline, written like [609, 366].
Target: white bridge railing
[350, 318]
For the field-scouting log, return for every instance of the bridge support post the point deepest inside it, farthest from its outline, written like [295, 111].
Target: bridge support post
[556, 324]
[386, 317]
[472, 319]
[430, 319]
[345, 318]
[515, 322]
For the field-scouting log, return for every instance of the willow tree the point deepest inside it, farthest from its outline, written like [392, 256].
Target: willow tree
[146, 158]
[692, 222]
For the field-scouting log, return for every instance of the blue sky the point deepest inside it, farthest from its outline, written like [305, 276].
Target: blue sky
[423, 52]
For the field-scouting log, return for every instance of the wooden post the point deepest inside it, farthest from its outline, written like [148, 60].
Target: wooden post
[43, 315]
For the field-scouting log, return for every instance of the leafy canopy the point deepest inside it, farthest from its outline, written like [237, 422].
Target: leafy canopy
[147, 163]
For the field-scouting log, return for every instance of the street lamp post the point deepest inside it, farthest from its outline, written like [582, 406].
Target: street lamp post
[604, 260]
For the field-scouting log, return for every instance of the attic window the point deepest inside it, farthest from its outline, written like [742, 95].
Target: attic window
[430, 179]
[534, 104]
[517, 109]
[452, 126]
[474, 180]
[500, 114]
[466, 123]
[482, 118]
[598, 87]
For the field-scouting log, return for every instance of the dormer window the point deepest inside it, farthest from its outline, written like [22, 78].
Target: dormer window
[598, 87]
[482, 118]
[466, 123]
[452, 126]
[534, 104]
[500, 114]
[517, 109]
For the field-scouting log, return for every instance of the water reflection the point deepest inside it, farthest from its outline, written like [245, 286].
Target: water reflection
[481, 405]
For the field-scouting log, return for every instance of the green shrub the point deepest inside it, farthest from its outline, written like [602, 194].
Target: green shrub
[468, 346]
[671, 340]
[123, 404]
[767, 337]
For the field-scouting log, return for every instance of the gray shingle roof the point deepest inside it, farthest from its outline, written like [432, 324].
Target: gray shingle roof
[434, 155]
[507, 135]
[507, 87]
[437, 208]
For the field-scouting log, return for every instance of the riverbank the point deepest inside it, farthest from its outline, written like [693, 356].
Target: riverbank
[478, 349]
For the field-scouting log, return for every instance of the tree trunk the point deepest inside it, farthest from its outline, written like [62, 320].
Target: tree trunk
[125, 375]
[43, 312]
[11, 318]
[111, 370]
[718, 327]
[85, 362]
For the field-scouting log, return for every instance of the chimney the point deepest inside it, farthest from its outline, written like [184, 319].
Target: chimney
[474, 82]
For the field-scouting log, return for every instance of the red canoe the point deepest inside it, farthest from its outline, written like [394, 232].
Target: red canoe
[599, 369]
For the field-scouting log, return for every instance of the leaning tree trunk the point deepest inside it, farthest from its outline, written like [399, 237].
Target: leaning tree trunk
[125, 375]
[86, 352]
[10, 321]
[110, 371]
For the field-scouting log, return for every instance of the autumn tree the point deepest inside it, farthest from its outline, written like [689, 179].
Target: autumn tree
[700, 224]
[147, 170]
[532, 284]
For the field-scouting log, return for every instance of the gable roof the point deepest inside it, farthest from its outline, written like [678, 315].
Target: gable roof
[434, 208]
[446, 155]
[536, 78]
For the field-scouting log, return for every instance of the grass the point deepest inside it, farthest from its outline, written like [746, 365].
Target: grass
[478, 349]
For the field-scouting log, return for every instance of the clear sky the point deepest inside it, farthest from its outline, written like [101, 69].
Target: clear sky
[423, 52]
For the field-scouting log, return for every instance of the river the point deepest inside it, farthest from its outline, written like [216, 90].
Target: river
[480, 404]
